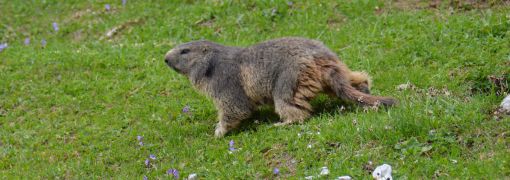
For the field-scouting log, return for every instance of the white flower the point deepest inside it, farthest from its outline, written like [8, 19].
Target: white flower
[193, 177]
[308, 177]
[382, 172]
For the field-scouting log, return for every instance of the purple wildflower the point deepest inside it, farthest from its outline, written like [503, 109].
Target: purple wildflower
[140, 138]
[231, 145]
[43, 42]
[3, 46]
[107, 7]
[145, 178]
[124, 2]
[185, 109]
[276, 171]
[173, 172]
[152, 156]
[27, 41]
[55, 26]
[147, 163]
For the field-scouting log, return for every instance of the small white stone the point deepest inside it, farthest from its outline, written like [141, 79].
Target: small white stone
[193, 177]
[505, 105]
[324, 171]
[382, 172]
[344, 178]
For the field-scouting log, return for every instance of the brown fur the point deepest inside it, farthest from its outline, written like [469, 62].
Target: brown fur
[361, 81]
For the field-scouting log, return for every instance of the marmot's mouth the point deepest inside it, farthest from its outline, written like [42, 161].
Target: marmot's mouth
[172, 67]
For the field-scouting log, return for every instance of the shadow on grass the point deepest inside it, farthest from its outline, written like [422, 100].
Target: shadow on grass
[321, 104]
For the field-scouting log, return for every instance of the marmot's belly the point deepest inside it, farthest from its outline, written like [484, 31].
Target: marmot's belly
[257, 85]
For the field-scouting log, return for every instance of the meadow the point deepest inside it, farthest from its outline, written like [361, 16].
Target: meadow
[85, 92]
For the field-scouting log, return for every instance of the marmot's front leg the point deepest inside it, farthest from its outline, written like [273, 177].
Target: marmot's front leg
[229, 120]
[232, 110]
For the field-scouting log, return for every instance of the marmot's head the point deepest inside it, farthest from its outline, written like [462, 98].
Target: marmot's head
[190, 56]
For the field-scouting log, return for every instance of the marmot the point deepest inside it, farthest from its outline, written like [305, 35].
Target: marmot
[286, 72]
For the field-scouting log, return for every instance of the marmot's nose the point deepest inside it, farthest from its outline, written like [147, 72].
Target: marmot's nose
[167, 59]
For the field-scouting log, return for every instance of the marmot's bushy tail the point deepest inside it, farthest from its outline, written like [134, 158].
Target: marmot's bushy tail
[342, 88]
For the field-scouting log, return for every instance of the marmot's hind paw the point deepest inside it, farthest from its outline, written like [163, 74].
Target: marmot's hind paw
[283, 123]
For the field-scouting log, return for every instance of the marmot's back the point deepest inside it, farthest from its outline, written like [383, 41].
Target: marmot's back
[263, 64]
[285, 49]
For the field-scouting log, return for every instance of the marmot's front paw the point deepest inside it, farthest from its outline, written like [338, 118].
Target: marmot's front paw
[220, 132]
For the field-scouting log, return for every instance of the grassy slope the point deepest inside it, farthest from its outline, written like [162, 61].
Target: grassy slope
[74, 108]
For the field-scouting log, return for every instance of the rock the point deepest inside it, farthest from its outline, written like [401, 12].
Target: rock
[382, 172]
[324, 171]
[344, 178]
[505, 105]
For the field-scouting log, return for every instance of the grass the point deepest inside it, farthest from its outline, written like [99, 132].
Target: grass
[73, 108]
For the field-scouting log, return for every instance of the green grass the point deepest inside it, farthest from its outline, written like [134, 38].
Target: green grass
[73, 109]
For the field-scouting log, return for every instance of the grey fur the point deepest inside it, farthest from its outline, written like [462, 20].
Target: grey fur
[286, 72]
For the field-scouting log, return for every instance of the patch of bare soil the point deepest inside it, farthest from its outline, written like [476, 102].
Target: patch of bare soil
[276, 156]
[431, 91]
[498, 84]
[117, 29]
[499, 113]
[464, 5]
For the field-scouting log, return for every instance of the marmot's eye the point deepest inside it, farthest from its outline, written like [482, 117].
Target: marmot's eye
[185, 51]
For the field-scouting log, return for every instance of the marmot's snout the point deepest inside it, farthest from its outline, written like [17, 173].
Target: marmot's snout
[174, 61]
[169, 62]
[170, 57]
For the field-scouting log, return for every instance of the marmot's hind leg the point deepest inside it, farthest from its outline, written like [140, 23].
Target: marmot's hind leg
[361, 81]
[290, 113]
[293, 92]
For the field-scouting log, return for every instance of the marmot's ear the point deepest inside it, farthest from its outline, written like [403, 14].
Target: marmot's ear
[211, 66]
[206, 67]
